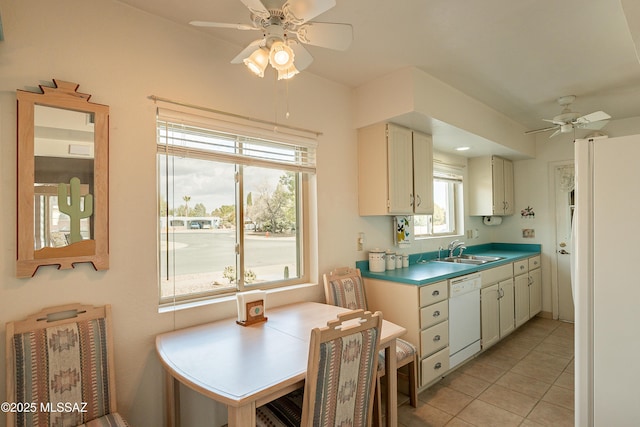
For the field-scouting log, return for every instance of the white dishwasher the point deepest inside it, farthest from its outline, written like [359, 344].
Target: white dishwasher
[464, 317]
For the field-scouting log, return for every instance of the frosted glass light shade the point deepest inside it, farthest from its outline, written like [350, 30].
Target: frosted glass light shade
[281, 56]
[257, 61]
[288, 73]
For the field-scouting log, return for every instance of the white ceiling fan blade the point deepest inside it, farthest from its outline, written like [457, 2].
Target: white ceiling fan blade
[540, 130]
[300, 11]
[222, 25]
[257, 8]
[326, 34]
[593, 117]
[555, 122]
[302, 57]
[247, 51]
[555, 133]
[593, 125]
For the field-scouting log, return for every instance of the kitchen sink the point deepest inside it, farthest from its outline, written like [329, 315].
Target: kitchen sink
[471, 259]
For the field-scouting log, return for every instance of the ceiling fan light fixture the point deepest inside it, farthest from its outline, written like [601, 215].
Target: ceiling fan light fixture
[566, 128]
[281, 56]
[257, 61]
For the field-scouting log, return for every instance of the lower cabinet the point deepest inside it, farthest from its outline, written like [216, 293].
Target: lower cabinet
[497, 312]
[535, 292]
[528, 289]
[521, 283]
[434, 366]
[506, 302]
[424, 312]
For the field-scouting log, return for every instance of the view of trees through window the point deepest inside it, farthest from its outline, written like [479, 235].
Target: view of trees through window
[201, 246]
[443, 220]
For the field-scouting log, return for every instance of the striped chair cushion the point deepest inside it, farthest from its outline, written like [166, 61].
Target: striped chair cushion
[342, 394]
[348, 292]
[109, 420]
[405, 353]
[343, 390]
[66, 363]
[285, 411]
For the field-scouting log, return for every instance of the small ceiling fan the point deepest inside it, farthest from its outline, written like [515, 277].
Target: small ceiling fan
[569, 120]
[286, 25]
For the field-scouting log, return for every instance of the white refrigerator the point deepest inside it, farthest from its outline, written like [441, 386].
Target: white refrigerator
[607, 281]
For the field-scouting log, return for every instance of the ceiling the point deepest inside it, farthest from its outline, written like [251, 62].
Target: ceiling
[517, 57]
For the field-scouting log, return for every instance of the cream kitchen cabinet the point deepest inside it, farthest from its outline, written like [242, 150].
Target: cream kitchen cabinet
[528, 289]
[395, 171]
[535, 288]
[424, 312]
[497, 311]
[491, 190]
[496, 305]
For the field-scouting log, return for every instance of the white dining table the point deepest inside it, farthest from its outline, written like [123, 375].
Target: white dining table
[244, 367]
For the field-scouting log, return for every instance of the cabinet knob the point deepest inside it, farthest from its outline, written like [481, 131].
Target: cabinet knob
[436, 338]
[522, 267]
[437, 365]
[419, 199]
[436, 313]
[435, 293]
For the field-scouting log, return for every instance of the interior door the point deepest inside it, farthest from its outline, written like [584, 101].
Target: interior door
[564, 177]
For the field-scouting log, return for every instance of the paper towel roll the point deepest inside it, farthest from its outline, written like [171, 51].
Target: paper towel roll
[492, 220]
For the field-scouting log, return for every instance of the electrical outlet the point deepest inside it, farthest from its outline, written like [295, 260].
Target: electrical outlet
[360, 242]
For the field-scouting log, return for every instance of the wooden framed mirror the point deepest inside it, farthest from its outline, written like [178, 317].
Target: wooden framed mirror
[63, 179]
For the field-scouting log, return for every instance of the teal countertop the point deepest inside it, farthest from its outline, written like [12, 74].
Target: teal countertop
[423, 269]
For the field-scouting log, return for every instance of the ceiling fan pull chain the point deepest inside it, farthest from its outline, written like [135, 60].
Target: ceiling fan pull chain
[286, 82]
[275, 104]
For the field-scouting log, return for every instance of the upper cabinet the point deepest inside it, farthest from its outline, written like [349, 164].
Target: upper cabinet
[395, 171]
[490, 186]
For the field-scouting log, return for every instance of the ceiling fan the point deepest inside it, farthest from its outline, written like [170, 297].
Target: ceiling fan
[286, 25]
[569, 120]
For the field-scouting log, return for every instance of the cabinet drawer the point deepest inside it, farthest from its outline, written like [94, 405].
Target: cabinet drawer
[497, 274]
[434, 313]
[434, 366]
[534, 262]
[434, 338]
[436, 292]
[520, 267]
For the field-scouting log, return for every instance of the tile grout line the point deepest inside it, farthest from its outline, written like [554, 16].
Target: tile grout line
[522, 332]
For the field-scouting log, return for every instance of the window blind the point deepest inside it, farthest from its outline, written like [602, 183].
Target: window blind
[185, 135]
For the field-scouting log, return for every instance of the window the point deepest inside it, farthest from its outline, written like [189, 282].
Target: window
[229, 202]
[448, 206]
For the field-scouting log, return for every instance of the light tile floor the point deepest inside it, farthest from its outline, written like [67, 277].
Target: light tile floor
[524, 380]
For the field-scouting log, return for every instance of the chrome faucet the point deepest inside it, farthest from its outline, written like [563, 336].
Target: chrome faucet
[456, 244]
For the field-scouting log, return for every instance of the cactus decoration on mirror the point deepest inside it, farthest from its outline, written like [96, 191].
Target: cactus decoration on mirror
[73, 207]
